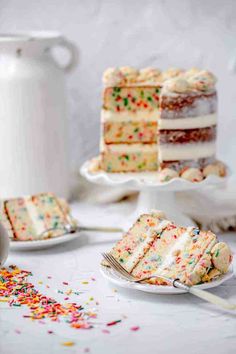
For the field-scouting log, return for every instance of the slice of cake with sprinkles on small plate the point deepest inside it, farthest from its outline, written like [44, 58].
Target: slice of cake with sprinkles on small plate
[30, 217]
[157, 246]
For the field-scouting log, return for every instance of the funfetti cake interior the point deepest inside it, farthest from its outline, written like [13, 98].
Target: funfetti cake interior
[29, 217]
[153, 120]
[157, 246]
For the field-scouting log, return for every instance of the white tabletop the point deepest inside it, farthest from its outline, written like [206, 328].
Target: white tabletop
[173, 323]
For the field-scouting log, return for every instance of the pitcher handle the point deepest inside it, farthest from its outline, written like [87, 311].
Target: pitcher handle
[74, 54]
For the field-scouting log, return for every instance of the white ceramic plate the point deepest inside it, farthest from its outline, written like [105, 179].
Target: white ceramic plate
[42, 244]
[144, 180]
[110, 275]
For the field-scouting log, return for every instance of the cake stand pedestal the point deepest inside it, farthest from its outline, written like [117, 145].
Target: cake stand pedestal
[153, 193]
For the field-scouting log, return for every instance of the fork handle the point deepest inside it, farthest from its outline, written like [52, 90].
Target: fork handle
[205, 295]
[214, 299]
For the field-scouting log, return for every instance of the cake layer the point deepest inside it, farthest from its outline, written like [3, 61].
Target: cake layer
[190, 151]
[131, 99]
[129, 157]
[192, 104]
[130, 132]
[187, 136]
[189, 122]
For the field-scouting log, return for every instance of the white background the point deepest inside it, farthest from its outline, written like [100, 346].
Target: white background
[181, 33]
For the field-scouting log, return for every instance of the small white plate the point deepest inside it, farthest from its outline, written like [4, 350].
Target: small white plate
[109, 274]
[42, 244]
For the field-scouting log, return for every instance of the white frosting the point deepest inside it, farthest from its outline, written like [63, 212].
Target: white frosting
[167, 174]
[128, 148]
[191, 151]
[129, 73]
[140, 115]
[139, 251]
[38, 224]
[177, 84]
[113, 77]
[149, 75]
[188, 122]
[179, 245]
[202, 81]
[192, 174]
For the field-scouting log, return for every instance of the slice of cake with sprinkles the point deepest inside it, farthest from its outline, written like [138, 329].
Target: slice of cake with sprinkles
[157, 246]
[30, 217]
[160, 121]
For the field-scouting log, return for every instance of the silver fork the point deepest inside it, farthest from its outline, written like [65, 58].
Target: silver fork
[203, 294]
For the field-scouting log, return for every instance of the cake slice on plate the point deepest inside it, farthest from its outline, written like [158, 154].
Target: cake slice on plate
[30, 217]
[155, 245]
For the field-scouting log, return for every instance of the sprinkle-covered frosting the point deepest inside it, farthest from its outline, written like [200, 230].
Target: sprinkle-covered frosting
[177, 84]
[113, 77]
[202, 81]
[130, 73]
[173, 80]
[149, 75]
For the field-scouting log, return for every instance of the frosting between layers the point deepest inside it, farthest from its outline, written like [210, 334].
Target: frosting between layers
[189, 122]
[38, 223]
[141, 115]
[127, 148]
[172, 152]
[179, 245]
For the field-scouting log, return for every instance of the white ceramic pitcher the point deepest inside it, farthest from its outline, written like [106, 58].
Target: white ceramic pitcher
[33, 117]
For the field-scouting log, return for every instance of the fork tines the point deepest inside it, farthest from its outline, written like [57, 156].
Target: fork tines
[115, 265]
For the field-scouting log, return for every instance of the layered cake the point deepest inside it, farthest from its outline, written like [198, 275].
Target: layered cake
[163, 121]
[30, 217]
[156, 246]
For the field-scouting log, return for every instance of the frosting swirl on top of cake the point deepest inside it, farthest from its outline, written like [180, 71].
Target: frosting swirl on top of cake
[171, 73]
[177, 84]
[149, 75]
[173, 80]
[113, 77]
[202, 81]
[190, 81]
[130, 73]
[191, 72]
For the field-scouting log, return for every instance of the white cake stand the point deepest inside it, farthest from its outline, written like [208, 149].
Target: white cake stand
[153, 193]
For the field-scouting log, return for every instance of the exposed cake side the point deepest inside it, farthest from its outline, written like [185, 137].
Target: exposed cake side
[129, 120]
[188, 119]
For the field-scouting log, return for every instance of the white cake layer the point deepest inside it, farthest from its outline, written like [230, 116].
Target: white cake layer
[191, 151]
[141, 115]
[129, 147]
[189, 122]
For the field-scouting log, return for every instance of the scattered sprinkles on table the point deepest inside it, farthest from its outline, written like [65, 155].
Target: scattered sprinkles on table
[17, 291]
